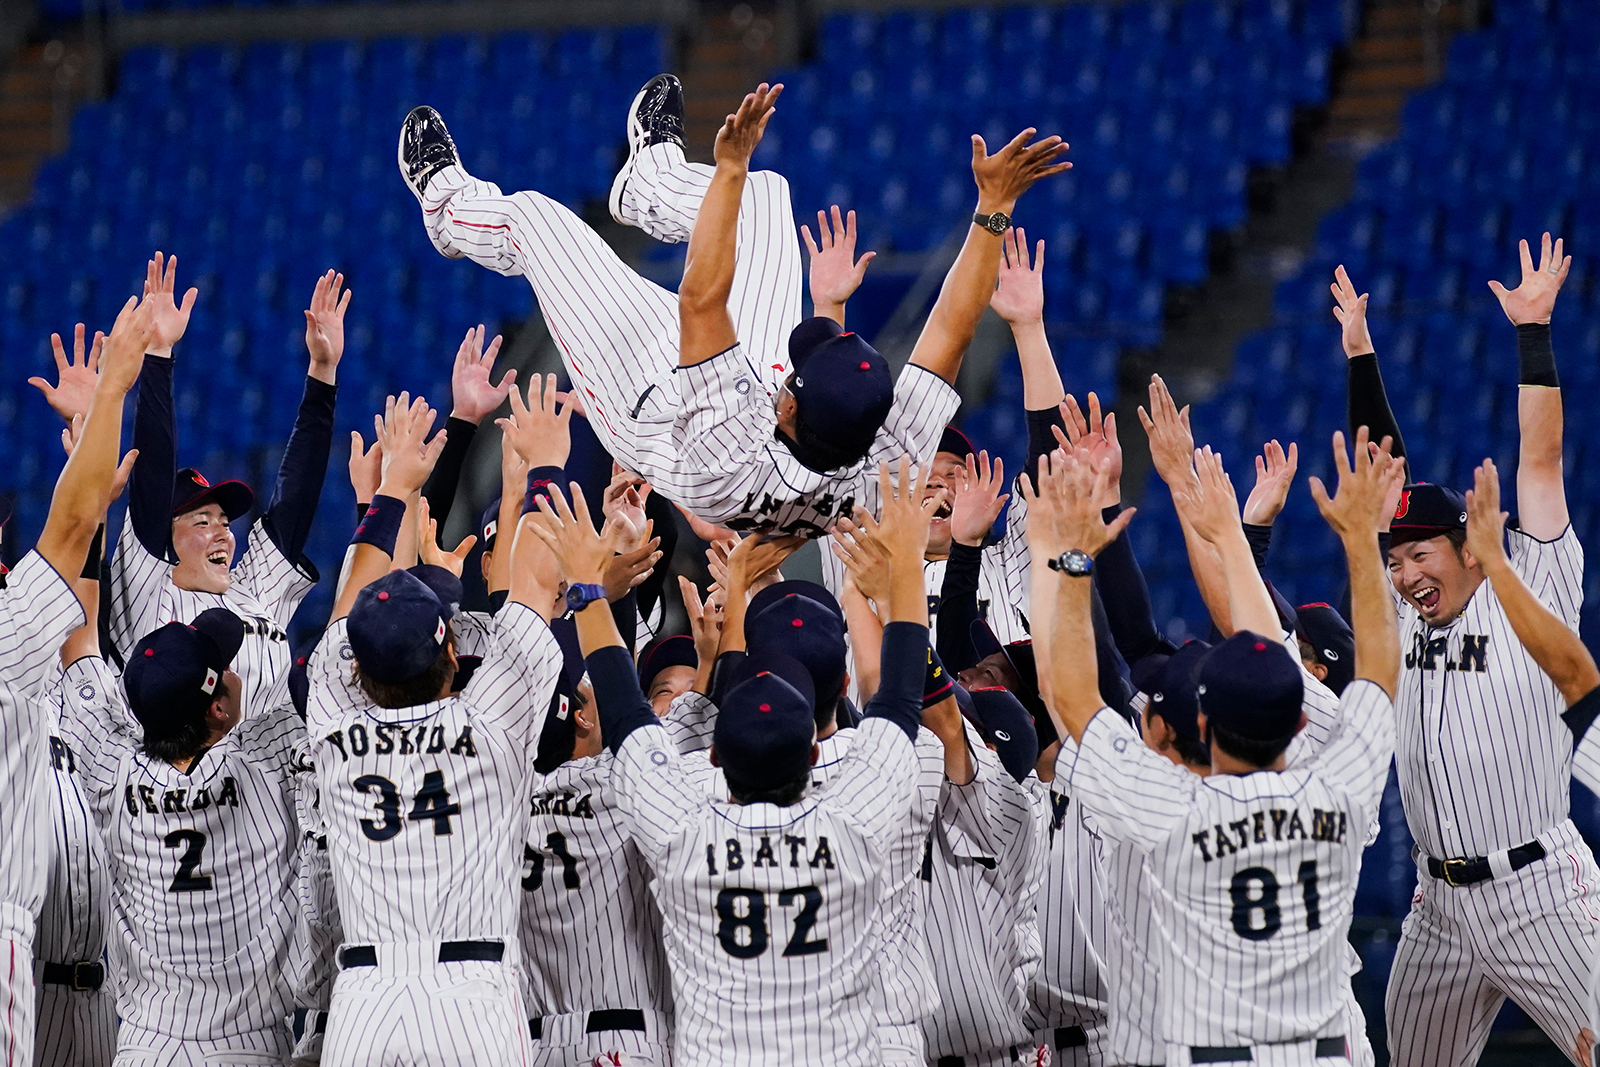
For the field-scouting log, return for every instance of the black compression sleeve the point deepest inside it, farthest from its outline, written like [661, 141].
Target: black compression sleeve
[622, 706]
[905, 667]
[625, 613]
[958, 607]
[440, 490]
[1125, 598]
[1260, 538]
[1580, 716]
[150, 487]
[1369, 404]
[301, 473]
[1041, 442]
[1536, 356]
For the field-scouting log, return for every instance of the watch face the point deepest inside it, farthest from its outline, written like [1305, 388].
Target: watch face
[999, 222]
[1076, 563]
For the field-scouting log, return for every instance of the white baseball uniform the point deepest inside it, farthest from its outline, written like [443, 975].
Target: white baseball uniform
[703, 434]
[596, 968]
[1254, 880]
[1484, 761]
[985, 870]
[319, 933]
[77, 1004]
[205, 878]
[426, 810]
[266, 590]
[38, 610]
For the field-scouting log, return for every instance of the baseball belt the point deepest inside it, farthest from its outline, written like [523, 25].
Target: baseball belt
[1464, 872]
[449, 952]
[598, 1022]
[1326, 1046]
[84, 977]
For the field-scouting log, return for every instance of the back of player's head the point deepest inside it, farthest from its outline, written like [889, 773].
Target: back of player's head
[843, 390]
[1006, 725]
[174, 676]
[400, 634]
[1251, 692]
[1331, 642]
[1170, 685]
[1426, 511]
[559, 738]
[765, 730]
[190, 490]
[806, 629]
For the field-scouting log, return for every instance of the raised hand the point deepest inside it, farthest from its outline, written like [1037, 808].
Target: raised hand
[1010, 172]
[74, 380]
[1094, 437]
[325, 326]
[978, 500]
[705, 620]
[122, 355]
[582, 552]
[741, 131]
[1069, 493]
[630, 566]
[169, 319]
[1534, 298]
[428, 549]
[757, 558]
[1274, 474]
[1357, 509]
[471, 393]
[835, 272]
[1210, 502]
[119, 480]
[905, 513]
[1171, 440]
[1486, 523]
[624, 502]
[1019, 293]
[366, 468]
[541, 434]
[408, 455]
[1352, 315]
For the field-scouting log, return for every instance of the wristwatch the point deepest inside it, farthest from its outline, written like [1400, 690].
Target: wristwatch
[1072, 563]
[997, 224]
[580, 595]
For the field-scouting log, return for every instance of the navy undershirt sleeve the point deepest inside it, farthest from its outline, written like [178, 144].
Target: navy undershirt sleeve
[440, 489]
[621, 703]
[958, 607]
[1125, 597]
[301, 473]
[154, 435]
[900, 684]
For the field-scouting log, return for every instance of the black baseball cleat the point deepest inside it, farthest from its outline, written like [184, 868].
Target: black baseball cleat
[425, 149]
[654, 117]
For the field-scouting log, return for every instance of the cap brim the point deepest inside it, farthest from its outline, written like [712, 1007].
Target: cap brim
[234, 497]
[1405, 535]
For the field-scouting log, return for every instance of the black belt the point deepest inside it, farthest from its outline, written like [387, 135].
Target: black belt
[598, 1022]
[1326, 1046]
[1071, 1037]
[309, 1020]
[961, 1061]
[83, 977]
[449, 952]
[1469, 872]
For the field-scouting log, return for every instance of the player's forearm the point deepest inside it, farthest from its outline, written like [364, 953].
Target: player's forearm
[944, 720]
[961, 303]
[958, 606]
[1541, 493]
[1372, 616]
[709, 262]
[1041, 381]
[908, 593]
[1129, 614]
[302, 471]
[1206, 567]
[440, 489]
[85, 640]
[535, 576]
[1368, 404]
[82, 493]
[150, 485]
[1558, 651]
[904, 669]
[1249, 603]
[1074, 668]
[865, 631]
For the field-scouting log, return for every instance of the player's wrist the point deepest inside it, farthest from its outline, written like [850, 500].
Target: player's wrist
[990, 203]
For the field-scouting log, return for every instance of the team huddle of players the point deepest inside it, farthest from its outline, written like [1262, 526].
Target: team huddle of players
[960, 804]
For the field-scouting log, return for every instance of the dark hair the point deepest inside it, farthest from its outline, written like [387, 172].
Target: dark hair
[1457, 536]
[827, 713]
[1255, 753]
[1190, 749]
[183, 740]
[424, 688]
[782, 795]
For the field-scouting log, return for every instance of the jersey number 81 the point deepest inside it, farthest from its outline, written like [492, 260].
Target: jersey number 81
[1255, 889]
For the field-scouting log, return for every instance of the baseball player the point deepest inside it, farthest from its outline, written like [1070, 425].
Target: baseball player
[768, 900]
[425, 793]
[175, 556]
[714, 396]
[38, 610]
[1503, 904]
[1256, 864]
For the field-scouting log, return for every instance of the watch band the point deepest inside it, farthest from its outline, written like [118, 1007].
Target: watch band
[996, 222]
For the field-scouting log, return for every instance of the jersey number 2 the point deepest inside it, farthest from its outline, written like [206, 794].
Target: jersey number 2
[753, 942]
[1247, 901]
[432, 801]
[193, 843]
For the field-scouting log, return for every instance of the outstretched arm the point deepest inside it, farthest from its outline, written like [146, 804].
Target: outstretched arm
[1213, 509]
[705, 327]
[835, 271]
[1367, 401]
[1541, 494]
[1002, 178]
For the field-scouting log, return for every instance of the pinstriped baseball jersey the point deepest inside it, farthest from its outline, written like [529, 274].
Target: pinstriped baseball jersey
[591, 934]
[427, 807]
[1483, 756]
[203, 865]
[266, 590]
[1069, 987]
[986, 869]
[38, 610]
[1254, 875]
[771, 915]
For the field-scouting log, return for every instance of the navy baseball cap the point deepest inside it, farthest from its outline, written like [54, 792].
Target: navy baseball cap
[190, 490]
[804, 630]
[489, 525]
[1020, 655]
[843, 390]
[299, 666]
[796, 586]
[765, 725]
[1332, 640]
[397, 627]
[560, 730]
[663, 652]
[445, 586]
[956, 443]
[1169, 682]
[1006, 725]
[1427, 510]
[173, 674]
[1251, 687]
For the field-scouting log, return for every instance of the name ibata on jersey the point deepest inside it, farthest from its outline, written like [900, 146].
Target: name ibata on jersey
[1271, 824]
[791, 851]
[389, 739]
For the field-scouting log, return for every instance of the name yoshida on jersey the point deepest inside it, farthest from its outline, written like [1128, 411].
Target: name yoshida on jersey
[1253, 876]
[1484, 759]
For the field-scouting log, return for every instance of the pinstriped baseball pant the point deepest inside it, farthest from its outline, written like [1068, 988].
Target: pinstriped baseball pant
[145, 1048]
[76, 1028]
[618, 331]
[1533, 936]
[16, 1002]
[439, 1014]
